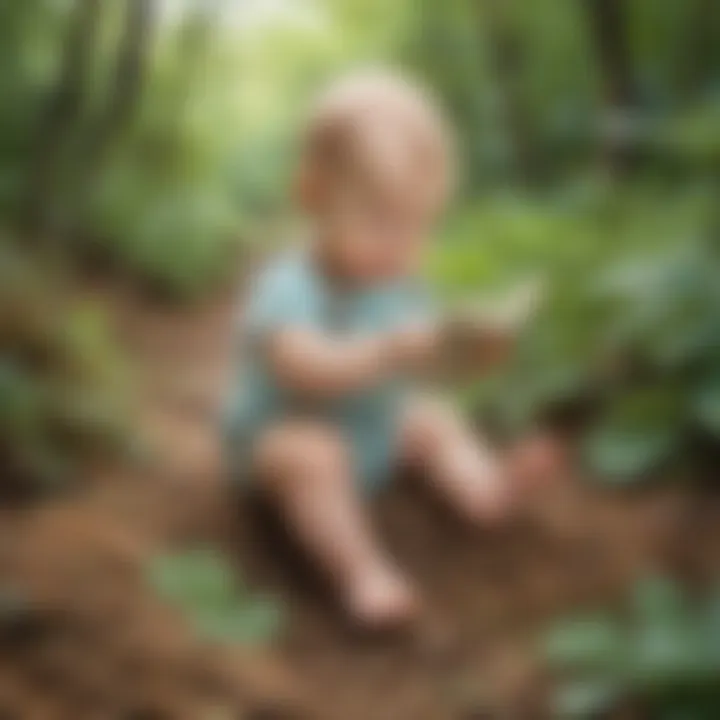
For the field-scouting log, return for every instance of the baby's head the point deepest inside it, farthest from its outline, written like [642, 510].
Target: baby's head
[376, 172]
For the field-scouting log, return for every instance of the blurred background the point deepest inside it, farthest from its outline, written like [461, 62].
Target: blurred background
[146, 148]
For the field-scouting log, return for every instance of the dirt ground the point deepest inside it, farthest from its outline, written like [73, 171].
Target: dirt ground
[82, 637]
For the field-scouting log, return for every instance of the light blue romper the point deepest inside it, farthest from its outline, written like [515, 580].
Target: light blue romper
[291, 291]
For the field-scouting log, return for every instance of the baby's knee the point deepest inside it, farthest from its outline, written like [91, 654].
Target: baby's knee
[312, 451]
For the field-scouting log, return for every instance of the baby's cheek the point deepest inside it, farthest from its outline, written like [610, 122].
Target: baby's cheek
[405, 261]
[373, 266]
[360, 260]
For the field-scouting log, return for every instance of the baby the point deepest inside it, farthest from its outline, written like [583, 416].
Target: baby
[334, 334]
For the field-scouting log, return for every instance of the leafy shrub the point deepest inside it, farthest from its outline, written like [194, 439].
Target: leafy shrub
[164, 209]
[60, 381]
[179, 241]
[203, 586]
[630, 327]
[663, 657]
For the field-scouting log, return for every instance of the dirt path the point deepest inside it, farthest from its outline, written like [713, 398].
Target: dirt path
[488, 593]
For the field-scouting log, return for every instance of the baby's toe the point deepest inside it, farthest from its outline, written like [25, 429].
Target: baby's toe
[488, 499]
[382, 600]
[536, 461]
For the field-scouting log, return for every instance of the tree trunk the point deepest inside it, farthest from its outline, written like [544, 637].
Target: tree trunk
[126, 87]
[507, 61]
[57, 121]
[608, 29]
[704, 31]
[124, 96]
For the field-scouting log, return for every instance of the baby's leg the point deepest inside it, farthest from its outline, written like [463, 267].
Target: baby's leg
[463, 470]
[305, 469]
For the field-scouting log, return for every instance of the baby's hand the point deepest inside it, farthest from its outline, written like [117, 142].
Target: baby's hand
[485, 335]
[415, 345]
[476, 344]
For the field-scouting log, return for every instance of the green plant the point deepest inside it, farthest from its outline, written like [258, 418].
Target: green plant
[662, 656]
[630, 328]
[201, 583]
[61, 381]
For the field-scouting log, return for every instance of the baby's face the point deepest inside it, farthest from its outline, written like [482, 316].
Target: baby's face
[375, 237]
[377, 231]
[376, 172]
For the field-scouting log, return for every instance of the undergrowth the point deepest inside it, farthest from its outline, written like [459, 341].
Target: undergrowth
[201, 584]
[658, 658]
[62, 385]
[627, 339]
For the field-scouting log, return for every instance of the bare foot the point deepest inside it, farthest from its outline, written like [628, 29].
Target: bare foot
[485, 491]
[490, 499]
[478, 491]
[535, 461]
[381, 599]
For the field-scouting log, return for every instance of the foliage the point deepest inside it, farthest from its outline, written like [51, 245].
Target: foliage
[203, 586]
[61, 383]
[629, 328]
[533, 98]
[661, 657]
[157, 137]
[163, 209]
[160, 139]
[200, 149]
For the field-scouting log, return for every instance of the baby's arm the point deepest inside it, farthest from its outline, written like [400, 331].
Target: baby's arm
[311, 362]
[308, 361]
[472, 348]
[283, 321]
[479, 337]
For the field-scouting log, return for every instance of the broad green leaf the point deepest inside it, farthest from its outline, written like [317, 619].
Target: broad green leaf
[620, 454]
[659, 599]
[711, 630]
[665, 653]
[201, 584]
[585, 699]
[197, 576]
[670, 661]
[640, 432]
[706, 405]
[667, 646]
[253, 623]
[590, 643]
[685, 339]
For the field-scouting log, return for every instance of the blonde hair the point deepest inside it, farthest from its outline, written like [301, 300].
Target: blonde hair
[378, 122]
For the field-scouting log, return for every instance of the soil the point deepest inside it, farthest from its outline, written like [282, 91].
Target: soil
[84, 637]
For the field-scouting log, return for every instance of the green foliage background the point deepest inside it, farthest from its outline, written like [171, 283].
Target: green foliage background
[659, 658]
[201, 584]
[155, 141]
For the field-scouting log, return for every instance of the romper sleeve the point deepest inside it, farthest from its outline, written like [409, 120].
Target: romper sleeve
[279, 296]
